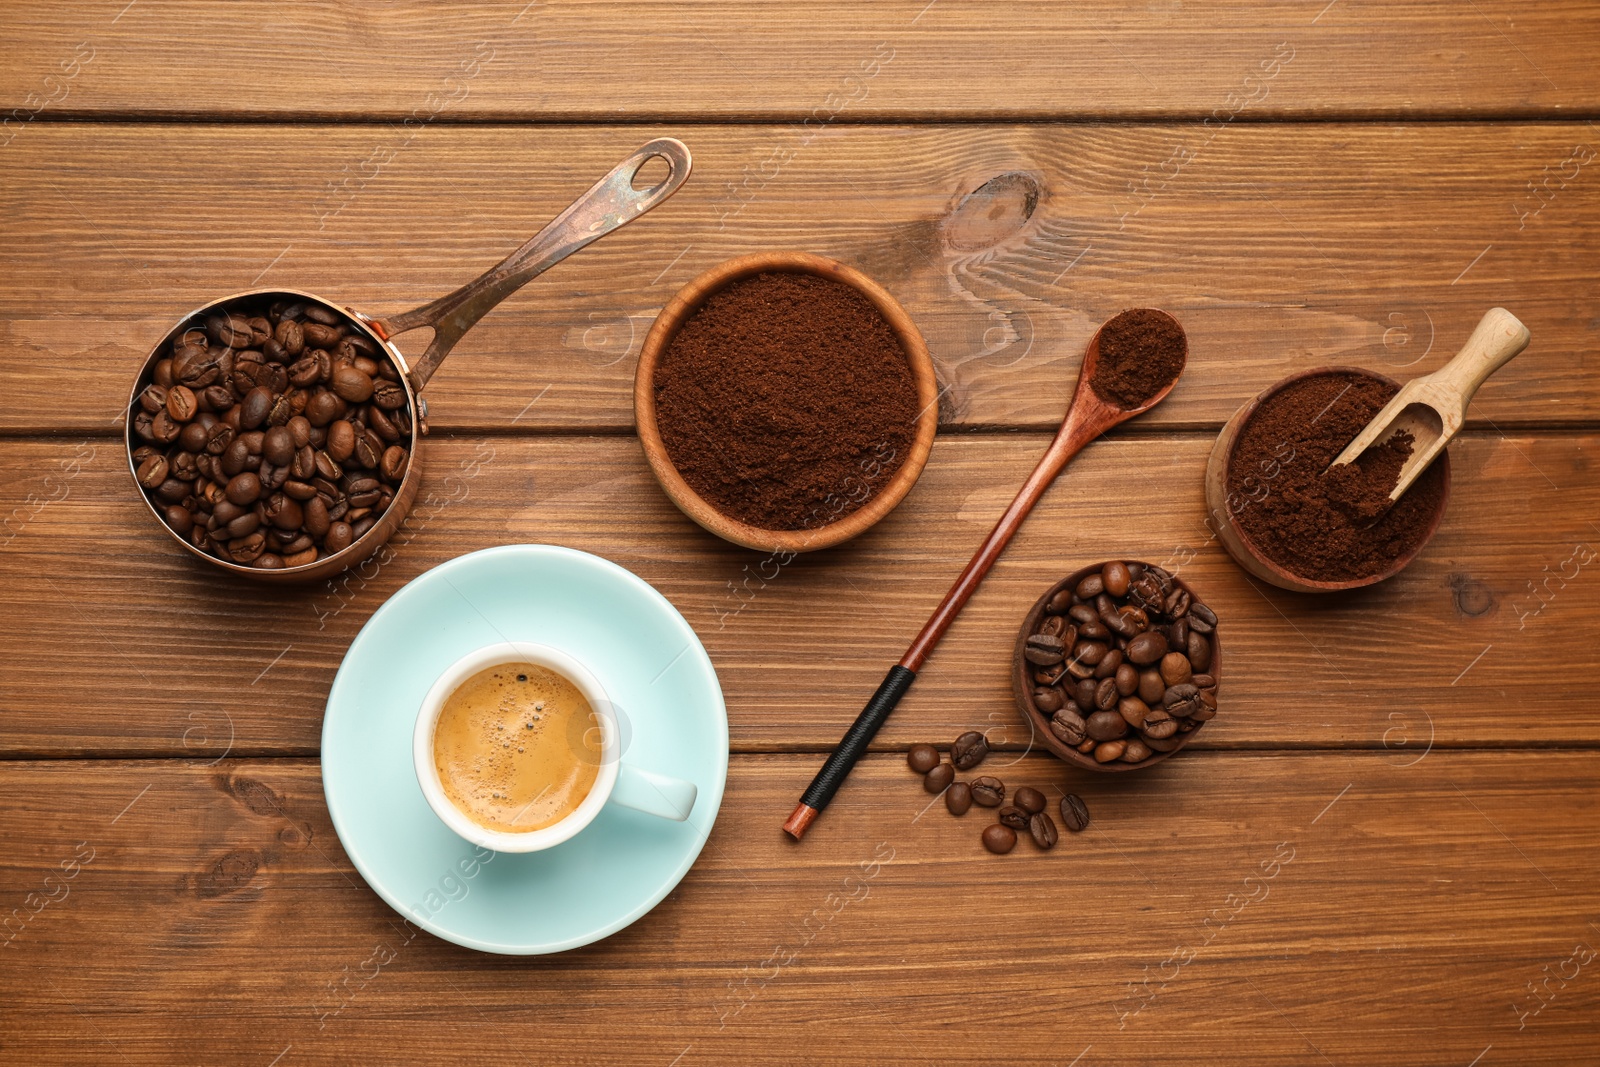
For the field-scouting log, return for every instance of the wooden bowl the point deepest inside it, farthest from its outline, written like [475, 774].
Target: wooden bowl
[689, 300]
[1221, 515]
[1022, 682]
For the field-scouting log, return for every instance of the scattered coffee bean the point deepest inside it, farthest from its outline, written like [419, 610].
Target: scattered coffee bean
[1042, 828]
[922, 758]
[939, 779]
[1074, 812]
[986, 791]
[239, 415]
[969, 750]
[1028, 799]
[999, 839]
[1013, 816]
[958, 798]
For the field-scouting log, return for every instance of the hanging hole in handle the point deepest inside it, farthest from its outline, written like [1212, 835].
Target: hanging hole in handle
[651, 174]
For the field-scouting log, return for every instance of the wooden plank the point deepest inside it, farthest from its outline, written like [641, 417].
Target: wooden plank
[829, 62]
[1221, 909]
[118, 643]
[1280, 247]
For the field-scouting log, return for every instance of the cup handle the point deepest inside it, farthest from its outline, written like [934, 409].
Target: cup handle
[654, 794]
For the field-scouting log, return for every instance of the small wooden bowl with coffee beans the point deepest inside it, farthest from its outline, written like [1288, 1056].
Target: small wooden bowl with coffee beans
[1117, 666]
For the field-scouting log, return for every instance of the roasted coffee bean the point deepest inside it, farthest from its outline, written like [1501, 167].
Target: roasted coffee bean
[327, 468]
[1107, 668]
[1074, 813]
[935, 781]
[164, 428]
[1082, 614]
[1178, 634]
[1012, 816]
[289, 335]
[1174, 668]
[921, 758]
[958, 798]
[244, 488]
[1053, 626]
[278, 446]
[1068, 726]
[1181, 701]
[968, 751]
[341, 440]
[217, 398]
[1083, 694]
[153, 471]
[369, 450]
[1109, 750]
[1042, 829]
[316, 524]
[182, 404]
[1048, 699]
[1050, 675]
[313, 368]
[1151, 685]
[179, 518]
[1202, 619]
[340, 535]
[323, 408]
[1088, 653]
[318, 335]
[246, 549]
[1134, 620]
[172, 490]
[381, 424]
[1106, 726]
[1136, 751]
[1133, 711]
[1147, 593]
[1105, 696]
[1043, 649]
[388, 395]
[1127, 678]
[352, 385]
[1028, 799]
[1059, 602]
[284, 512]
[1199, 651]
[153, 398]
[1177, 603]
[1146, 648]
[1114, 578]
[1091, 587]
[999, 839]
[1202, 681]
[1158, 724]
[304, 464]
[988, 792]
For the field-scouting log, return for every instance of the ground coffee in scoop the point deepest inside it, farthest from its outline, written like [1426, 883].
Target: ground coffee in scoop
[1141, 352]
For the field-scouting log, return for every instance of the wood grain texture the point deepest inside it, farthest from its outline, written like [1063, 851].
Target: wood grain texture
[1280, 247]
[553, 59]
[117, 643]
[219, 921]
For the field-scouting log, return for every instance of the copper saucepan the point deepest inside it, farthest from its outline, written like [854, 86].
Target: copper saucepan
[611, 202]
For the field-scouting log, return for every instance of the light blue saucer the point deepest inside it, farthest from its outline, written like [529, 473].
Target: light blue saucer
[673, 721]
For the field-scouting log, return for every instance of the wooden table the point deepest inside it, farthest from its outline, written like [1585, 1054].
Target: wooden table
[1381, 852]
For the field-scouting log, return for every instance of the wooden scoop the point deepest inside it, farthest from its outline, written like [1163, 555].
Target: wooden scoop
[1432, 408]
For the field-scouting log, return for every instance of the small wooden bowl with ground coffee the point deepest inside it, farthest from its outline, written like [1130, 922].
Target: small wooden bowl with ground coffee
[1117, 666]
[785, 402]
[1287, 520]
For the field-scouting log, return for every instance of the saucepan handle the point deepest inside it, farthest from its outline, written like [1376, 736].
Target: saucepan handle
[611, 202]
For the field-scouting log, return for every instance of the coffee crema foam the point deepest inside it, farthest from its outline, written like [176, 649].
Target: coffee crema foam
[517, 747]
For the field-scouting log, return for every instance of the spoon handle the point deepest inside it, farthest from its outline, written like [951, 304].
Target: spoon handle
[1079, 430]
[1498, 337]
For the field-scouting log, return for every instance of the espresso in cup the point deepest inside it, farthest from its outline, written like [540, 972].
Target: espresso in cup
[517, 747]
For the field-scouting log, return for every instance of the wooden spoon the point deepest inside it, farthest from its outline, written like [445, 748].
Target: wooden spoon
[1088, 417]
[1432, 408]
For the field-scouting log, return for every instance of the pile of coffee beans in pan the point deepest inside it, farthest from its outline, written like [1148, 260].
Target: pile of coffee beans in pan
[273, 435]
[1022, 814]
[1119, 663]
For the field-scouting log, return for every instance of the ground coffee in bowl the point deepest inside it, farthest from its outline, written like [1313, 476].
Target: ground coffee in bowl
[1331, 528]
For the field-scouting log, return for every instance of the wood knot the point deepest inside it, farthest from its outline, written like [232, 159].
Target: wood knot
[992, 212]
[229, 872]
[1473, 596]
[254, 795]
